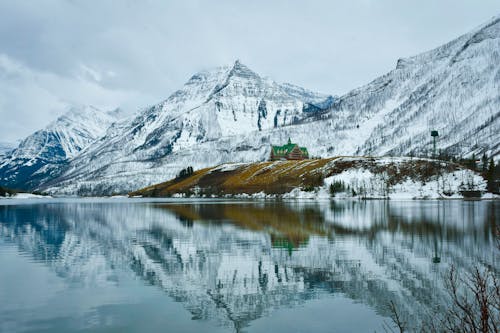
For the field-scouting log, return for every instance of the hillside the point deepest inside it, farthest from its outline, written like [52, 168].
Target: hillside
[363, 177]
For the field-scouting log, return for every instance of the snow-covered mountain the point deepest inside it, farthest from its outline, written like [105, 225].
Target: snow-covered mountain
[210, 110]
[232, 114]
[6, 147]
[454, 89]
[44, 154]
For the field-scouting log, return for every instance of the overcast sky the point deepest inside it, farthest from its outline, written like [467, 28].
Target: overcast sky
[132, 53]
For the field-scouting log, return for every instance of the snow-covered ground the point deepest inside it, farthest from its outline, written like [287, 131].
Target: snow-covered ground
[26, 196]
[444, 186]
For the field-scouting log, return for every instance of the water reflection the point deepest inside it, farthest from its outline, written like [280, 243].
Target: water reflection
[233, 262]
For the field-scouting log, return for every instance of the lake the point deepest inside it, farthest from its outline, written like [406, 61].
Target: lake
[137, 265]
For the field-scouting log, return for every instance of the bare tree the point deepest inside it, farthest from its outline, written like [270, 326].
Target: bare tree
[474, 307]
[475, 302]
[398, 325]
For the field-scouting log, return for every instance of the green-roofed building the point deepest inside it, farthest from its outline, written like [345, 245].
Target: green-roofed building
[290, 151]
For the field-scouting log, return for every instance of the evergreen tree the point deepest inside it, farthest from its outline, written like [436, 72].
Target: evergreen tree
[492, 176]
[473, 165]
[186, 172]
[484, 162]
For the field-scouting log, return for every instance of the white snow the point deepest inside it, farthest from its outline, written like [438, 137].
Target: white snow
[228, 167]
[29, 196]
[49, 149]
[441, 186]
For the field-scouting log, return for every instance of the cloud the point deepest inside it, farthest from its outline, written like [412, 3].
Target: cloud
[30, 99]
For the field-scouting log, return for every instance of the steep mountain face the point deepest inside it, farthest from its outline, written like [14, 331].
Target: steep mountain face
[44, 154]
[454, 89]
[233, 115]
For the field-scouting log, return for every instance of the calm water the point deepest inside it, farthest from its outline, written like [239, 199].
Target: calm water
[225, 266]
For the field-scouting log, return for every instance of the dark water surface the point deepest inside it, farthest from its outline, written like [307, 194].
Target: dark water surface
[123, 265]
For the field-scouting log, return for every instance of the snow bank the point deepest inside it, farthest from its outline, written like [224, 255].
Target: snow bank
[363, 183]
[29, 196]
[228, 167]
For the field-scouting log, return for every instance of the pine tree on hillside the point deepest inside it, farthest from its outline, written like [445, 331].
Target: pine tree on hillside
[484, 162]
[473, 164]
[493, 176]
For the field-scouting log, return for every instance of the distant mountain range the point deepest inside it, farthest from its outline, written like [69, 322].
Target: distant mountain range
[232, 114]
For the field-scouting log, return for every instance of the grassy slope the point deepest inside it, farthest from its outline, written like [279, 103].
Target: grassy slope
[271, 177]
[283, 176]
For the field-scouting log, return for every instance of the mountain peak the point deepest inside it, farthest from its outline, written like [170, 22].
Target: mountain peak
[240, 70]
[236, 68]
[205, 84]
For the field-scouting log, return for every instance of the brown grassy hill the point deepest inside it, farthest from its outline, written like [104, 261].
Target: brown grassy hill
[281, 177]
[270, 177]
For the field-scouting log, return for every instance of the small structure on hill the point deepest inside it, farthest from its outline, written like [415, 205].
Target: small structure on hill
[290, 151]
[434, 135]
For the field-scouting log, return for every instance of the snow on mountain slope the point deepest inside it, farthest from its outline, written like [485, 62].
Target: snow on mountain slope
[233, 115]
[43, 154]
[454, 89]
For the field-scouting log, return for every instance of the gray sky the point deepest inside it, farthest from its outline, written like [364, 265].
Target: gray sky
[132, 53]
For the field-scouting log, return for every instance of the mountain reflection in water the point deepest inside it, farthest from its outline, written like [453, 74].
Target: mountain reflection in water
[235, 262]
